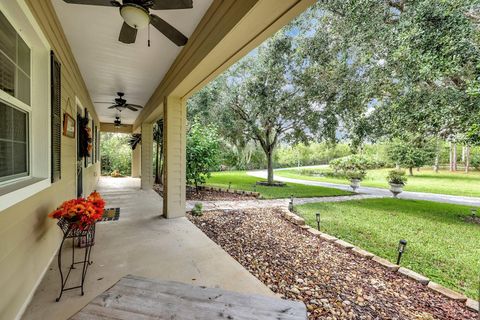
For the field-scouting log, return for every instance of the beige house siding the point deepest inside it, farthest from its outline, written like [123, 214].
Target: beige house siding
[28, 239]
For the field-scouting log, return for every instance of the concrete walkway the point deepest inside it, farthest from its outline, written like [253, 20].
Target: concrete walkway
[378, 192]
[273, 203]
[144, 244]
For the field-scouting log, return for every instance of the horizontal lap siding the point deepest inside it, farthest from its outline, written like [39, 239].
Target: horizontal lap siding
[28, 239]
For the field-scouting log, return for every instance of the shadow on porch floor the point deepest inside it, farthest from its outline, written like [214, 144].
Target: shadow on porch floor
[144, 244]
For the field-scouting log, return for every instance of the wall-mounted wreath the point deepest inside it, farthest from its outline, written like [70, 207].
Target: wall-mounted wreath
[85, 138]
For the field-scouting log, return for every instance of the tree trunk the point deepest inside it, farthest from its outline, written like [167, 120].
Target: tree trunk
[157, 156]
[410, 171]
[270, 167]
[160, 170]
[467, 158]
[437, 158]
[454, 157]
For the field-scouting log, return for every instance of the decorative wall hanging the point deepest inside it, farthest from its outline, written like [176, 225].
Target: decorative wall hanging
[68, 126]
[68, 121]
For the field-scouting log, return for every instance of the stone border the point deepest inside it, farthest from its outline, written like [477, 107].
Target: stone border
[243, 192]
[471, 304]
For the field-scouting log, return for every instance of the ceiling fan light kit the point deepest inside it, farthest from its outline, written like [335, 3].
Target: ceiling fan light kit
[135, 16]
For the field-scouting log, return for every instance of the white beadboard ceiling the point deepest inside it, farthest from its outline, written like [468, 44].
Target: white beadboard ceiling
[108, 66]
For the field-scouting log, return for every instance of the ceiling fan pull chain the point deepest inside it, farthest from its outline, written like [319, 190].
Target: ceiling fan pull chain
[149, 35]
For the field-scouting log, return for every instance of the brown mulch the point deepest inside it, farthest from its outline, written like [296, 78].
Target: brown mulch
[331, 281]
[207, 195]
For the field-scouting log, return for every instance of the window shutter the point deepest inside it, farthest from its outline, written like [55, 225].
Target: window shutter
[56, 118]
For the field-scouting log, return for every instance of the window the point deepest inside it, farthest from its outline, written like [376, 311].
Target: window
[25, 117]
[14, 62]
[14, 115]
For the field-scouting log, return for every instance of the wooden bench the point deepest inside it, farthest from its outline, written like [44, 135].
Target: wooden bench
[141, 298]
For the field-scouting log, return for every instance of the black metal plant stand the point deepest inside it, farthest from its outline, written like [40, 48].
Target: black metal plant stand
[86, 239]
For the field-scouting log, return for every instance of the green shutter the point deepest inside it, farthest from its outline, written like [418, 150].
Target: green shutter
[56, 118]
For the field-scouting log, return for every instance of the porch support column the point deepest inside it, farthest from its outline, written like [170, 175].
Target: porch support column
[174, 135]
[147, 156]
[136, 161]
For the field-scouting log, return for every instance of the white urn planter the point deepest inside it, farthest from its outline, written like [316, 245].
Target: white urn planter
[355, 184]
[396, 188]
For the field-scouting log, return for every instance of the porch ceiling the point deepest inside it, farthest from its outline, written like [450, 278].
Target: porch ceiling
[108, 66]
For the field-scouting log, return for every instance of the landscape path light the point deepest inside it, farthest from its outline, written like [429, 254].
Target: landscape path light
[317, 217]
[401, 248]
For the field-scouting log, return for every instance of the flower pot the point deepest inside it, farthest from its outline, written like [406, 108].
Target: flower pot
[396, 188]
[355, 184]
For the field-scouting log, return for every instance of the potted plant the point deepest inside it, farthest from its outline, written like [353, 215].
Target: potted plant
[80, 213]
[397, 180]
[355, 176]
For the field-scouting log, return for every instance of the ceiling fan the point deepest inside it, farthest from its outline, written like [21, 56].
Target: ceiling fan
[121, 104]
[117, 122]
[136, 15]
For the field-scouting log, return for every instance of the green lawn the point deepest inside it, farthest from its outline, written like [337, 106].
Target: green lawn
[441, 243]
[444, 182]
[241, 181]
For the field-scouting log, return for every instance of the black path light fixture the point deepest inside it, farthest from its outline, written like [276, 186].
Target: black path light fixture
[290, 204]
[474, 212]
[317, 217]
[401, 249]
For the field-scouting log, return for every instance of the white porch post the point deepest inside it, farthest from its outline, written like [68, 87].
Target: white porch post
[147, 156]
[136, 161]
[174, 134]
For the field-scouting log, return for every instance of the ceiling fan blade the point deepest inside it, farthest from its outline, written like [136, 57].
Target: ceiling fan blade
[133, 105]
[172, 4]
[168, 30]
[127, 34]
[102, 102]
[132, 108]
[107, 3]
[111, 107]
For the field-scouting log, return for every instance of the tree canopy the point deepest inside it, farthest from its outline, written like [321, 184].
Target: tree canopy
[359, 70]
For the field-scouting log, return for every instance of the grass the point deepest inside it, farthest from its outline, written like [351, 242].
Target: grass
[441, 244]
[241, 181]
[426, 180]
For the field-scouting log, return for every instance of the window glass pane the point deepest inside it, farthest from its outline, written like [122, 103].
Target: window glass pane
[14, 62]
[23, 88]
[7, 37]
[19, 126]
[13, 142]
[19, 157]
[7, 75]
[6, 163]
[5, 122]
[23, 60]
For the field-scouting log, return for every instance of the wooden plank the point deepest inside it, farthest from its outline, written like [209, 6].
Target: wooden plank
[136, 297]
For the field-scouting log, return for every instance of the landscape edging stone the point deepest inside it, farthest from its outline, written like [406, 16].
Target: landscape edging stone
[451, 294]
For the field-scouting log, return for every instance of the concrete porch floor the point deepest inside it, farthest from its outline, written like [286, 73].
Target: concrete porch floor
[144, 244]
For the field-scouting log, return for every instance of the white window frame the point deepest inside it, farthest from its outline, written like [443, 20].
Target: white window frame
[15, 190]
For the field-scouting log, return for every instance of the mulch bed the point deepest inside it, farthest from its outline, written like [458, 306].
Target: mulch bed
[208, 195]
[331, 281]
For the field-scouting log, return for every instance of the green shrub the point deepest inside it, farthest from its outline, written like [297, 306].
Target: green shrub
[397, 177]
[202, 153]
[355, 174]
[475, 161]
[197, 210]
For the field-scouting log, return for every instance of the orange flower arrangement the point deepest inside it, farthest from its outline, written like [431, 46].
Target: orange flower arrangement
[82, 212]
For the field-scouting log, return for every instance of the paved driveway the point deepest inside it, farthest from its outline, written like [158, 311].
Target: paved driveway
[469, 201]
